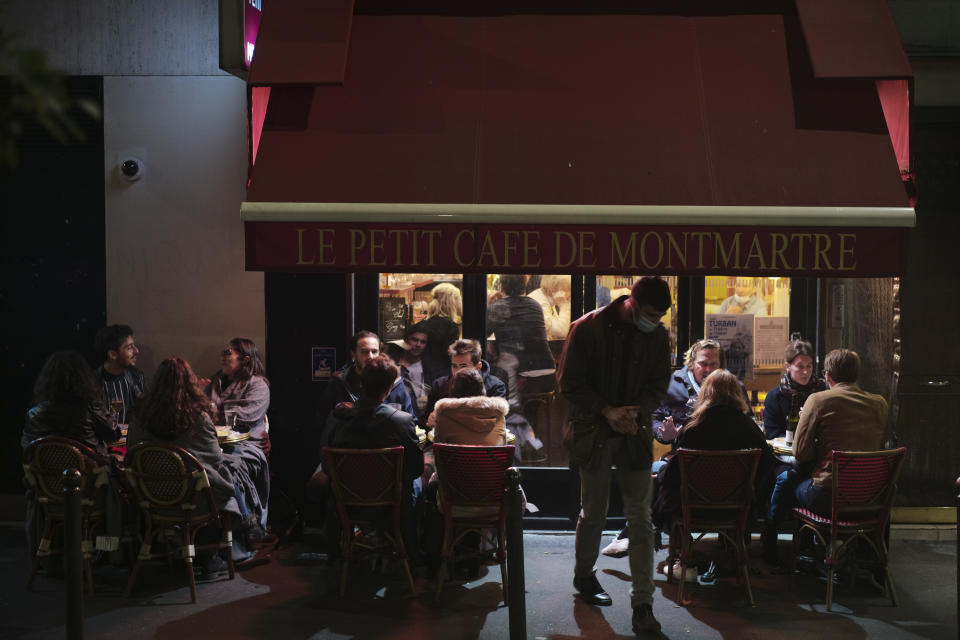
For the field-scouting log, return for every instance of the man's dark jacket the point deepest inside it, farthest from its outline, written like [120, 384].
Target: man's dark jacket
[373, 426]
[608, 362]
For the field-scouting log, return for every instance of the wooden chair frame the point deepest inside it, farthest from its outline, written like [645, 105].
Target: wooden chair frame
[44, 461]
[367, 487]
[708, 505]
[862, 488]
[173, 492]
[471, 498]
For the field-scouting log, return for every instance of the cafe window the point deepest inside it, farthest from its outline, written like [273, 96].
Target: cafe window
[609, 288]
[750, 317]
[409, 298]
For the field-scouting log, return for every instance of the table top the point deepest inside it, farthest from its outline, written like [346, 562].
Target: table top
[224, 434]
[780, 446]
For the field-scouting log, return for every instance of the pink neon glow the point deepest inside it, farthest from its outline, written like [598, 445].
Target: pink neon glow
[251, 25]
[260, 98]
[895, 100]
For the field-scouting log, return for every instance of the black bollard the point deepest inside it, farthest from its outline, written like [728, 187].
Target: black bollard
[958, 556]
[516, 582]
[72, 554]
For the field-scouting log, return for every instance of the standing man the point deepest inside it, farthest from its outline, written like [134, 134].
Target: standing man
[702, 358]
[614, 372]
[120, 380]
[842, 418]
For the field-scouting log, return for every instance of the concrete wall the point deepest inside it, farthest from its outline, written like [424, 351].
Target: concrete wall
[174, 238]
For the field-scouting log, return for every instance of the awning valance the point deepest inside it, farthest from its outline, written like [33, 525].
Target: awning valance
[677, 120]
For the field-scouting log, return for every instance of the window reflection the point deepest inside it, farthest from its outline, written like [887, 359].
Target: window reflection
[761, 341]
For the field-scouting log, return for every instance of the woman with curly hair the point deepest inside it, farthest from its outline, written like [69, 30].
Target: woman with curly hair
[175, 410]
[68, 404]
[443, 322]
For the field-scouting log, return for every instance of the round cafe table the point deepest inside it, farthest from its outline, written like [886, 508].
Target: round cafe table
[225, 435]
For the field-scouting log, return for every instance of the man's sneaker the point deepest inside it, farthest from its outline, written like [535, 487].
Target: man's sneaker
[643, 620]
[618, 548]
[591, 591]
[212, 569]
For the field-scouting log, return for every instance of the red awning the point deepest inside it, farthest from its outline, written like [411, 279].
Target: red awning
[594, 110]
[301, 42]
[852, 39]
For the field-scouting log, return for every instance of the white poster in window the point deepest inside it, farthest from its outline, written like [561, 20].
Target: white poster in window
[770, 338]
[734, 332]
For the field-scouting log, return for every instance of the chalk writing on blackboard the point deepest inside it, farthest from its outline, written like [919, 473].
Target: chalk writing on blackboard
[393, 318]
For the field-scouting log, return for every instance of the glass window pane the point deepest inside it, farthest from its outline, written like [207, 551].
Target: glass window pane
[436, 301]
[609, 288]
[528, 318]
[754, 348]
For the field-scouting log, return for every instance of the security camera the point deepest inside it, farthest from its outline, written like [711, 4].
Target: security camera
[132, 169]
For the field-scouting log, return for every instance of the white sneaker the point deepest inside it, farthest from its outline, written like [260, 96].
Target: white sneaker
[617, 549]
[690, 575]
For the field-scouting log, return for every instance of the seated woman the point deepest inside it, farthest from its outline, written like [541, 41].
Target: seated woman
[720, 421]
[176, 411]
[469, 416]
[67, 404]
[797, 380]
[241, 394]
[240, 389]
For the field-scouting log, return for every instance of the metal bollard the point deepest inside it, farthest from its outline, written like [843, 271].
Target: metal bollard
[72, 554]
[958, 555]
[516, 582]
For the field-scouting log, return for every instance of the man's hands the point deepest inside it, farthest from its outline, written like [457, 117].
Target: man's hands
[622, 419]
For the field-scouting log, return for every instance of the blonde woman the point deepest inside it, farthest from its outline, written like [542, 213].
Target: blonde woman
[554, 298]
[720, 420]
[443, 321]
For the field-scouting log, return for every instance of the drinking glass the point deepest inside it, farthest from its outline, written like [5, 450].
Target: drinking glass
[116, 406]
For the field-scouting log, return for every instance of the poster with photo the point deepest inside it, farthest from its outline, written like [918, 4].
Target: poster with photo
[734, 332]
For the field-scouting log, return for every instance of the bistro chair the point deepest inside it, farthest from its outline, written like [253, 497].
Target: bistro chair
[862, 487]
[367, 487]
[471, 499]
[44, 461]
[176, 502]
[716, 493]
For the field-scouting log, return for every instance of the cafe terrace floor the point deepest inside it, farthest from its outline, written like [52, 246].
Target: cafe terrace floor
[292, 597]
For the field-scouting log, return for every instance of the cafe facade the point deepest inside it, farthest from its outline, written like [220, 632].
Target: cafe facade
[419, 144]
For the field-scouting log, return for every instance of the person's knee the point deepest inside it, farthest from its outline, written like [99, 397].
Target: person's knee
[318, 487]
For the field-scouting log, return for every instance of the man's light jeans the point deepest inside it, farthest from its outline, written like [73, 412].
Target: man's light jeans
[636, 489]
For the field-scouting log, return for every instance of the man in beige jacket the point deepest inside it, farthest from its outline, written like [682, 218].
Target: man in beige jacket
[843, 418]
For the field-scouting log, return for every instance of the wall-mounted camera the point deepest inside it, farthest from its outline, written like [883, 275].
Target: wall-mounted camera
[132, 169]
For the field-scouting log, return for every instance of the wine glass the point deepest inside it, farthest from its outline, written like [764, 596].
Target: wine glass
[117, 407]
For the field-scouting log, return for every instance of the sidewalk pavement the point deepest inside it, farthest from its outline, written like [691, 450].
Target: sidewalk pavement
[291, 596]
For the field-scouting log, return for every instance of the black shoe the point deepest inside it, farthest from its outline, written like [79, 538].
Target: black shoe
[643, 620]
[212, 569]
[591, 591]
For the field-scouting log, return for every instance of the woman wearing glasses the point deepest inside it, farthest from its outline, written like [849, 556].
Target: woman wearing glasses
[241, 394]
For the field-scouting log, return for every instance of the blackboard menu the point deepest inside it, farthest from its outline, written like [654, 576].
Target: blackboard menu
[393, 318]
